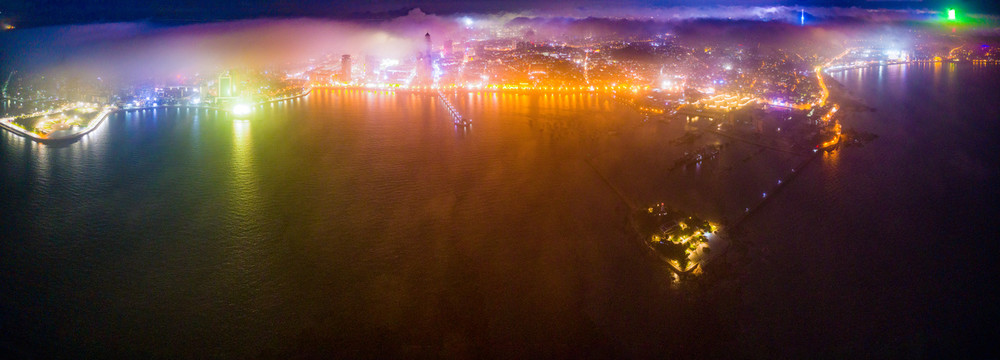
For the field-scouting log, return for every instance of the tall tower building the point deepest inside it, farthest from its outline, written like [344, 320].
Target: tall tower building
[345, 68]
[225, 86]
[427, 39]
[425, 64]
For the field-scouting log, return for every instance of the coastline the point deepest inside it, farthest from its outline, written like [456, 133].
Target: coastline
[93, 124]
[96, 122]
[836, 94]
[433, 91]
[876, 65]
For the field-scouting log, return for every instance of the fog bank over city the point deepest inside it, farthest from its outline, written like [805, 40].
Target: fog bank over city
[153, 51]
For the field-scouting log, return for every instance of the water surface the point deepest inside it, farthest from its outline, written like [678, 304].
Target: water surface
[351, 221]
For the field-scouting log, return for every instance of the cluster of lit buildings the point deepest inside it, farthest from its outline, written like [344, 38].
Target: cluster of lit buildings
[658, 72]
[726, 102]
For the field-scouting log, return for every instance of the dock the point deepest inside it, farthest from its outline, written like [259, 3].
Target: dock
[456, 117]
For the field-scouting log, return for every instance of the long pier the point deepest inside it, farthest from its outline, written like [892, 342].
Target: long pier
[774, 191]
[798, 169]
[766, 197]
[456, 117]
[628, 202]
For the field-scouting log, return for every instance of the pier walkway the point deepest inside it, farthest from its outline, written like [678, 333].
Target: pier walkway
[456, 117]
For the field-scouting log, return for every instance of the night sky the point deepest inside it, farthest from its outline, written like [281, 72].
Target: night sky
[32, 13]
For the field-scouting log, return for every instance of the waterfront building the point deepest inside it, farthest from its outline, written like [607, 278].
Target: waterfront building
[345, 68]
[226, 86]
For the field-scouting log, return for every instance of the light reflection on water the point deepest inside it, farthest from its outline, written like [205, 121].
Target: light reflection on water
[243, 178]
[351, 214]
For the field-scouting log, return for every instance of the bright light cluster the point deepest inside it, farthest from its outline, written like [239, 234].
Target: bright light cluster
[241, 109]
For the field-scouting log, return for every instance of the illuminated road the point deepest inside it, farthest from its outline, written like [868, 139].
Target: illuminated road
[819, 75]
[838, 57]
[765, 197]
[951, 54]
[822, 85]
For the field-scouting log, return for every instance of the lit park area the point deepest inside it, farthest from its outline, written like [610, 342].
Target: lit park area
[682, 240]
[67, 122]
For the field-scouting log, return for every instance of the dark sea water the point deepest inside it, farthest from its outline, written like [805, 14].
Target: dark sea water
[353, 223]
[889, 250]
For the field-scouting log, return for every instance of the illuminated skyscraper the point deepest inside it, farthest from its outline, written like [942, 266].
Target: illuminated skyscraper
[425, 63]
[448, 48]
[225, 86]
[345, 68]
[427, 39]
